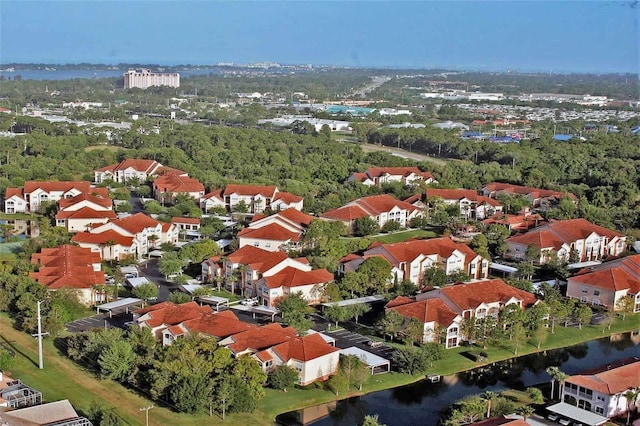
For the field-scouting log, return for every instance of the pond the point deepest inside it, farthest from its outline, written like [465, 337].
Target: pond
[424, 402]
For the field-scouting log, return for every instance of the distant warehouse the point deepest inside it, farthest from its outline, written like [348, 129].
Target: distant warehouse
[143, 78]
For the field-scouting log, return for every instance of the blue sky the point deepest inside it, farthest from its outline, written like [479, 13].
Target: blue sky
[586, 36]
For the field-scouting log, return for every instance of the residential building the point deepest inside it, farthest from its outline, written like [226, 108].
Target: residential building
[539, 198]
[280, 231]
[144, 78]
[568, 239]
[133, 169]
[311, 356]
[603, 391]
[520, 222]
[147, 232]
[15, 394]
[186, 223]
[59, 413]
[218, 325]
[30, 197]
[168, 186]
[71, 267]
[472, 205]
[501, 421]
[83, 219]
[412, 258]
[380, 208]
[110, 244]
[163, 315]
[310, 284]
[255, 199]
[258, 339]
[285, 200]
[440, 323]
[607, 283]
[381, 175]
[212, 200]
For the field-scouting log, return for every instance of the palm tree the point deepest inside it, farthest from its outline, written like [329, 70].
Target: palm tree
[525, 411]
[110, 244]
[632, 396]
[489, 397]
[242, 271]
[153, 239]
[561, 377]
[553, 372]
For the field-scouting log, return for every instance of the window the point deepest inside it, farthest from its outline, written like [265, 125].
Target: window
[600, 410]
[585, 405]
[584, 290]
[596, 292]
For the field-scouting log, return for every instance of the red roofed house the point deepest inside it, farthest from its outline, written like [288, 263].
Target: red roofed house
[310, 355]
[381, 175]
[607, 283]
[167, 314]
[434, 315]
[257, 263]
[381, 208]
[71, 267]
[30, 197]
[521, 222]
[147, 232]
[218, 325]
[279, 231]
[476, 300]
[256, 198]
[540, 198]
[560, 238]
[76, 219]
[471, 204]
[603, 391]
[133, 168]
[186, 223]
[501, 421]
[258, 339]
[412, 258]
[110, 244]
[168, 186]
[310, 284]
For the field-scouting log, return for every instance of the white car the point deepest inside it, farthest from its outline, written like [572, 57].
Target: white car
[249, 302]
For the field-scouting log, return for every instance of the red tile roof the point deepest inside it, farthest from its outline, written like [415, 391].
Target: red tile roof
[617, 275]
[287, 198]
[524, 190]
[97, 197]
[136, 223]
[555, 234]
[86, 213]
[56, 186]
[214, 194]
[177, 183]
[346, 213]
[458, 194]
[296, 216]
[273, 232]
[10, 192]
[67, 266]
[102, 238]
[259, 260]
[218, 325]
[304, 348]
[174, 314]
[501, 421]
[252, 190]
[407, 251]
[610, 382]
[139, 165]
[259, 338]
[292, 277]
[186, 220]
[428, 310]
[471, 295]
[397, 171]
[398, 301]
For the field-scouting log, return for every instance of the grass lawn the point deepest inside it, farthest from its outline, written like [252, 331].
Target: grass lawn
[18, 216]
[398, 237]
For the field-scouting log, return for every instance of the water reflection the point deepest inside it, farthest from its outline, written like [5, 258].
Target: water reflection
[424, 402]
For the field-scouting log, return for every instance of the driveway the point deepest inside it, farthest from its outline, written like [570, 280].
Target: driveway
[346, 339]
[100, 321]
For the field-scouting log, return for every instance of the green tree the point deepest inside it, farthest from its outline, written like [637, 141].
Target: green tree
[413, 331]
[357, 310]
[293, 309]
[433, 351]
[365, 226]
[625, 305]
[179, 297]
[116, 360]
[336, 313]
[282, 377]
[354, 370]
[372, 420]
[170, 264]
[434, 277]
[390, 323]
[582, 314]
[146, 291]
[489, 397]
[631, 396]
[525, 411]
[337, 383]
[410, 360]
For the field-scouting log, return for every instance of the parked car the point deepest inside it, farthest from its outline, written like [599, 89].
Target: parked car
[250, 302]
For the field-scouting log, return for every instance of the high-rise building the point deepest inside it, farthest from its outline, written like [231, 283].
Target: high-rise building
[143, 78]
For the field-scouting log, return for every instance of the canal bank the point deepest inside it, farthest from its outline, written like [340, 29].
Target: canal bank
[423, 402]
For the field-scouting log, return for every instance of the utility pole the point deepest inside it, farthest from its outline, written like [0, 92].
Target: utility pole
[39, 337]
[146, 409]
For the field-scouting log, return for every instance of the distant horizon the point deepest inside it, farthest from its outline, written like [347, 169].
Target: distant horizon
[153, 64]
[589, 37]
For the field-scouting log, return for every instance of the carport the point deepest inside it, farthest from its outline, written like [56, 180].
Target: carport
[357, 301]
[122, 303]
[214, 300]
[190, 288]
[505, 269]
[577, 414]
[133, 270]
[377, 364]
[265, 310]
[137, 282]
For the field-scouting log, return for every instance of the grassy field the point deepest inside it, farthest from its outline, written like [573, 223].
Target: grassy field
[17, 216]
[63, 379]
[398, 237]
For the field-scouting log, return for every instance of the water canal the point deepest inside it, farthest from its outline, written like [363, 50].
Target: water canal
[423, 403]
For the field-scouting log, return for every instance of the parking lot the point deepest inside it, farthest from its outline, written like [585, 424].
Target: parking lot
[99, 321]
[346, 339]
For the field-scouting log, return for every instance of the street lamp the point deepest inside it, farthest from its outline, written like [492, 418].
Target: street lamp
[146, 410]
